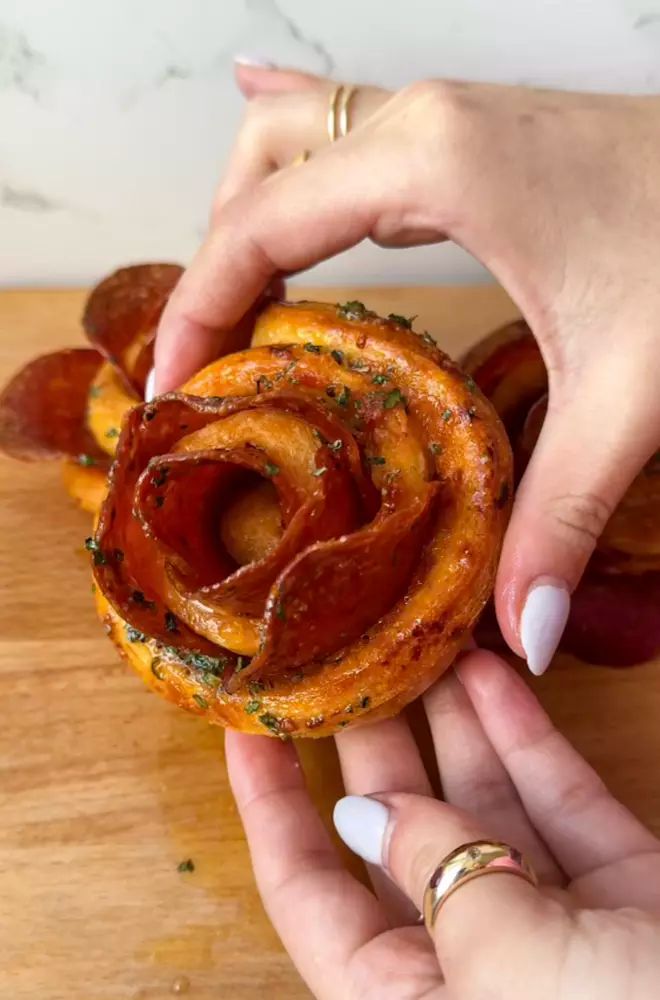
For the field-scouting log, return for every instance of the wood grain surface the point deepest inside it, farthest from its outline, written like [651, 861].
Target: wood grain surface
[105, 788]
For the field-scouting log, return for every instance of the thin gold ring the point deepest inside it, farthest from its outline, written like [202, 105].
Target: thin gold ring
[302, 157]
[467, 862]
[338, 112]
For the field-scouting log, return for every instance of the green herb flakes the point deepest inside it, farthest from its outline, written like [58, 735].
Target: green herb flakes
[86, 460]
[393, 399]
[252, 706]
[428, 339]
[380, 379]
[270, 722]
[312, 348]
[337, 356]
[446, 416]
[354, 310]
[95, 392]
[170, 622]
[202, 702]
[98, 556]
[280, 611]
[134, 634]
[376, 460]
[186, 866]
[365, 701]
[344, 396]
[470, 384]
[401, 320]
[271, 470]
[263, 384]
[436, 449]
[112, 432]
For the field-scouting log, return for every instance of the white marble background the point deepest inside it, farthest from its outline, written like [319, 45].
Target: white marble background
[117, 115]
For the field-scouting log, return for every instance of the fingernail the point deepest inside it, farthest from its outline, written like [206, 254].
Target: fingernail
[150, 386]
[542, 622]
[361, 823]
[250, 59]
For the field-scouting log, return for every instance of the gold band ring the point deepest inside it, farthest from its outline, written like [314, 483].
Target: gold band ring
[467, 862]
[338, 123]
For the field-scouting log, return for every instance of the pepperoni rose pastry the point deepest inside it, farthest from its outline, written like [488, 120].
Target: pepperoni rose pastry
[69, 405]
[302, 538]
[615, 610]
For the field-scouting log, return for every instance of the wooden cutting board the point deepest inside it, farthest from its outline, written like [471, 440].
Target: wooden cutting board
[105, 788]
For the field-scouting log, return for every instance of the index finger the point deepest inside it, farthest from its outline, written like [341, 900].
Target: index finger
[293, 220]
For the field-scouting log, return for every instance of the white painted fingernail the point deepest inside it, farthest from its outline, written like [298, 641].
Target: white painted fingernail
[361, 823]
[542, 623]
[251, 59]
[150, 386]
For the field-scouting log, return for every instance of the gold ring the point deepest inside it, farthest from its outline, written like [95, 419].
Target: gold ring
[338, 124]
[467, 862]
[302, 157]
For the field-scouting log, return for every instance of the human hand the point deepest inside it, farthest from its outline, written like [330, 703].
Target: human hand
[557, 193]
[591, 929]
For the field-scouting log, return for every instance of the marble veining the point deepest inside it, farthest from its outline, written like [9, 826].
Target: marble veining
[117, 116]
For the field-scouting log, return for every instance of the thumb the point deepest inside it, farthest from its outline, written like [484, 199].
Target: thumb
[255, 76]
[490, 931]
[593, 443]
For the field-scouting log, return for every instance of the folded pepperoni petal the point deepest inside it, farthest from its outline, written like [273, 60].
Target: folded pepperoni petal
[128, 565]
[615, 619]
[332, 592]
[43, 408]
[122, 313]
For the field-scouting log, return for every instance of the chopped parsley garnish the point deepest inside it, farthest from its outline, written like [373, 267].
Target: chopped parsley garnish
[252, 706]
[337, 356]
[202, 702]
[112, 432]
[470, 384]
[86, 460]
[95, 392]
[186, 866]
[344, 396]
[134, 634]
[365, 701]
[271, 470]
[93, 546]
[401, 320]
[170, 622]
[376, 460]
[380, 379]
[393, 399]
[320, 471]
[428, 339]
[435, 448]
[313, 348]
[263, 384]
[280, 611]
[270, 722]
[358, 365]
[446, 416]
[200, 661]
[354, 310]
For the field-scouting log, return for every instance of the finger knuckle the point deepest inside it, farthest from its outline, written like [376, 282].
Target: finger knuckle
[579, 517]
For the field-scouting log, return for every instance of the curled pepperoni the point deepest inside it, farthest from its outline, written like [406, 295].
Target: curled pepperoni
[615, 612]
[302, 538]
